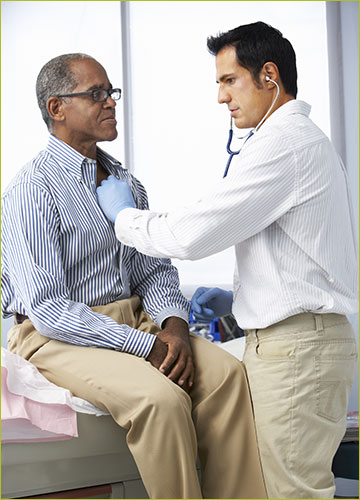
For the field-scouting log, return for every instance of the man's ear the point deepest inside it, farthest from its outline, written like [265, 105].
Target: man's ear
[270, 70]
[55, 109]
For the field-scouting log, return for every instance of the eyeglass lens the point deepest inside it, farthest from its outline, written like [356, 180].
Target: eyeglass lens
[102, 94]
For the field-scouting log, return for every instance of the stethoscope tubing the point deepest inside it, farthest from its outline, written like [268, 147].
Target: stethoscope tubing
[234, 153]
[246, 137]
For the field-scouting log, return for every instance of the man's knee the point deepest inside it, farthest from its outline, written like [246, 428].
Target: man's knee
[216, 367]
[167, 398]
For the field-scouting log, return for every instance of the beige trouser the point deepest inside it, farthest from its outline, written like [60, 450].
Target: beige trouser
[300, 374]
[167, 428]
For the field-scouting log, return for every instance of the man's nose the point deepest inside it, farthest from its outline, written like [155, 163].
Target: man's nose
[110, 102]
[223, 96]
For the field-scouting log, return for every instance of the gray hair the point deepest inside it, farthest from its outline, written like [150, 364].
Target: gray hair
[55, 78]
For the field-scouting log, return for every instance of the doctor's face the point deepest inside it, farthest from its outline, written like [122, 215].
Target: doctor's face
[247, 100]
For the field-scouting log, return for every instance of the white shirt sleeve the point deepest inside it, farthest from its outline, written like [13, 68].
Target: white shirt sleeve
[260, 188]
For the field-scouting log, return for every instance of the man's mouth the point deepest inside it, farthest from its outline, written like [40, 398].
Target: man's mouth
[110, 119]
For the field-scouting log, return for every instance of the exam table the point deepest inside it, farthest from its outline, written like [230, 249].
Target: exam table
[54, 444]
[96, 464]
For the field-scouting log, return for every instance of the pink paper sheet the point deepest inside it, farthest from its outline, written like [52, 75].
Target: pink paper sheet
[23, 419]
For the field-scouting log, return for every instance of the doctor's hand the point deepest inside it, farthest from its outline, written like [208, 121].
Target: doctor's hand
[114, 195]
[172, 353]
[211, 303]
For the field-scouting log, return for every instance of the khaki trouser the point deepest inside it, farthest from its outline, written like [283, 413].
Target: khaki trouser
[300, 374]
[167, 428]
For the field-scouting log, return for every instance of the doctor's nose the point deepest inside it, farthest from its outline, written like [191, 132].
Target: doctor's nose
[223, 96]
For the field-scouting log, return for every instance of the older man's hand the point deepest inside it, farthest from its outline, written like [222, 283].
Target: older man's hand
[114, 195]
[172, 353]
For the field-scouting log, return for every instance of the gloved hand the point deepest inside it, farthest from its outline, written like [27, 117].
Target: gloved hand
[211, 303]
[114, 195]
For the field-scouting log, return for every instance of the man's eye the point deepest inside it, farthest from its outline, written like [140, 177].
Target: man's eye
[230, 81]
[98, 94]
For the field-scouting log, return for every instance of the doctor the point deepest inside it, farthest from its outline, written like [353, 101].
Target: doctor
[284, 205]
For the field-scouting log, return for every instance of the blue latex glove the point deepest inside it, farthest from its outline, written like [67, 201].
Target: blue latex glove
[114, 195]
[211, 303]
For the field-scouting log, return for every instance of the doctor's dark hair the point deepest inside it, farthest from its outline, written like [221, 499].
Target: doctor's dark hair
[256, 44]
[55, 78]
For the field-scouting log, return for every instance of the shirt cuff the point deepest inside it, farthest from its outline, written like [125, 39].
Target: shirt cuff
[139, 343]
[124, 224]
[170, 313]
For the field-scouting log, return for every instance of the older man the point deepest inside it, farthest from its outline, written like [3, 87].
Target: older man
[109, 323]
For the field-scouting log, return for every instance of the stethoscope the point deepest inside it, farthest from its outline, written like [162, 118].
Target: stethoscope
[249, 134]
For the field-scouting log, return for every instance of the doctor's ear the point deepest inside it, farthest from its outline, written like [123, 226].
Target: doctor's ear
[270, 73]
[268, 79]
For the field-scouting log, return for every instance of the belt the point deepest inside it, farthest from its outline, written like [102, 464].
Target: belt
[20, 318]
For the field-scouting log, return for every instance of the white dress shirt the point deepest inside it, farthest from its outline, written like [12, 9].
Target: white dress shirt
[285, 207]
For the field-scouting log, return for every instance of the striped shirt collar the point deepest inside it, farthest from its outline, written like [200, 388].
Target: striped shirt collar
[74, 161]
[293, 107]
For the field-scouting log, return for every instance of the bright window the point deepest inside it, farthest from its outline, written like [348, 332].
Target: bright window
[179, 129]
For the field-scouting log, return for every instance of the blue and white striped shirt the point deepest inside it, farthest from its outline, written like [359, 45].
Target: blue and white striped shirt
[60, 255]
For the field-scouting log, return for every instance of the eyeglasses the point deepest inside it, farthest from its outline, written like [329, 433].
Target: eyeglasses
[98, 95]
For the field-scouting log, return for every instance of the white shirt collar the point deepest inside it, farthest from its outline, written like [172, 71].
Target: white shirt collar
[293, 107]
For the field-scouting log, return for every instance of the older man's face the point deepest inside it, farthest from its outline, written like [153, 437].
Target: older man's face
[86, 121]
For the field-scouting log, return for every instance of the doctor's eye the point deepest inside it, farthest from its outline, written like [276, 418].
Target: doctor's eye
[230, 81]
